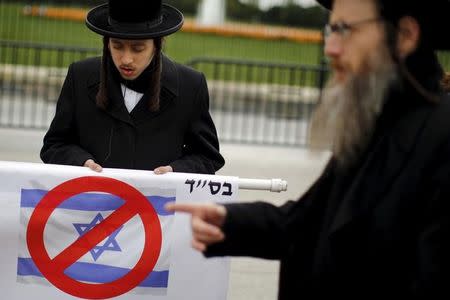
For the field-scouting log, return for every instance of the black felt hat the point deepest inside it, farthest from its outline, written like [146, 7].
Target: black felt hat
[134, 19]
[432, 17]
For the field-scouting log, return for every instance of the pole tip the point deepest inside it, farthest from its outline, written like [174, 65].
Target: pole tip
[278, 185]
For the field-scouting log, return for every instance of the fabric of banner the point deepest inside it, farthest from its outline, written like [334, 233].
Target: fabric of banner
[85, 236]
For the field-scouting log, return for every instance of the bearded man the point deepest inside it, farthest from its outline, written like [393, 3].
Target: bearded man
[377, 221]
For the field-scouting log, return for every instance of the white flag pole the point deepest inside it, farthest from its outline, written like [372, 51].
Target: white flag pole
[273, 185]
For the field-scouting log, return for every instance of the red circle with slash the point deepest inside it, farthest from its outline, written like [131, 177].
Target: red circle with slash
[53, 269]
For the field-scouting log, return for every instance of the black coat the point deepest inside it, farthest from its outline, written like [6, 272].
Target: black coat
[181, 134]
[379, 229]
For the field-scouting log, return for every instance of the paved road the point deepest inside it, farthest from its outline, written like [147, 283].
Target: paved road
[250, 279]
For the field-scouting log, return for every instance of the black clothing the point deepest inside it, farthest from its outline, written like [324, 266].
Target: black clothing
[180, 134]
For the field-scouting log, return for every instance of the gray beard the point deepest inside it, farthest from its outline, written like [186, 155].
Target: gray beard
[344, 120]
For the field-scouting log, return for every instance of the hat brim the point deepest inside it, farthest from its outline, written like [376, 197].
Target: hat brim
[325, 3]
[97, 21]
[439, 21]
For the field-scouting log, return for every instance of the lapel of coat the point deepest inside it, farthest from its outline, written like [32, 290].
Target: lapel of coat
[381, 166]
[169, 91]
[117, 108]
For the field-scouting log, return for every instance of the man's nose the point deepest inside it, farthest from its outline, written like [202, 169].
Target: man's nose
[333, 46]
[127, 58]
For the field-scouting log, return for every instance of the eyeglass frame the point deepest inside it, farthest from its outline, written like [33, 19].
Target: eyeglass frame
[344, 29]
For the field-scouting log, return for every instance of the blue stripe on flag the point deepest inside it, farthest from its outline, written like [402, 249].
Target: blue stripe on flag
[92, 201]
[94, 273]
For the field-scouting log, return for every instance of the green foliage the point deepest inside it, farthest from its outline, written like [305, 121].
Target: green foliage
[239, 11]
[444, 58]
[288, 15]
[248, 11]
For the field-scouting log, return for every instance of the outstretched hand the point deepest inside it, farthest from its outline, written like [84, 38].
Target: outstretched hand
[207, 220]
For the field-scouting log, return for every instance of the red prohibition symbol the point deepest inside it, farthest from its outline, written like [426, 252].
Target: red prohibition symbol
[53, 269]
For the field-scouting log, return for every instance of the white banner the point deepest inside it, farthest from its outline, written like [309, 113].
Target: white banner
[68, 232]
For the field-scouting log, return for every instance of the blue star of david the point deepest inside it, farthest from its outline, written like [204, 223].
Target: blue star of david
[110, 244]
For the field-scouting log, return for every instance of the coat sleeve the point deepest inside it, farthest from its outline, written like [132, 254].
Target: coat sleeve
[263, 230]
[201, 152]
[60, 144]
[433, 246]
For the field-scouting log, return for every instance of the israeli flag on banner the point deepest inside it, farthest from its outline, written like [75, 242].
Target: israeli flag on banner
[109, 260]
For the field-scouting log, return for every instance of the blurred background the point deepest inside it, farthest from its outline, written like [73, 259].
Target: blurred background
[262, 59]
[264, 64]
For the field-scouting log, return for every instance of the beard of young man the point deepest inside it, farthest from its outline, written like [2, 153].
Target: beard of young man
[346, 116]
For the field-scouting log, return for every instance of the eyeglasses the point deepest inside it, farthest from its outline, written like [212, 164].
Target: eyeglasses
[344, 29]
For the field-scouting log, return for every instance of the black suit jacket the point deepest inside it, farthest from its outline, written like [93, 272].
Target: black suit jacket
[181, 134]
[379, 229]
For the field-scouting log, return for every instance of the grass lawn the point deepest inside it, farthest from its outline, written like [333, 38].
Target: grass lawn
[181, 46]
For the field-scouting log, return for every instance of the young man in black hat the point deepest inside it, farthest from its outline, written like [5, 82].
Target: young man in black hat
[133, 108]
[377, 221]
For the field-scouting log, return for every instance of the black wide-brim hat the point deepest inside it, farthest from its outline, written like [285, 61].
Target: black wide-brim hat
[134, 19]
[432, 17]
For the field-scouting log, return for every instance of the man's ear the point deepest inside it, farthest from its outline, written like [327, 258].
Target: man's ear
[408, 36]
